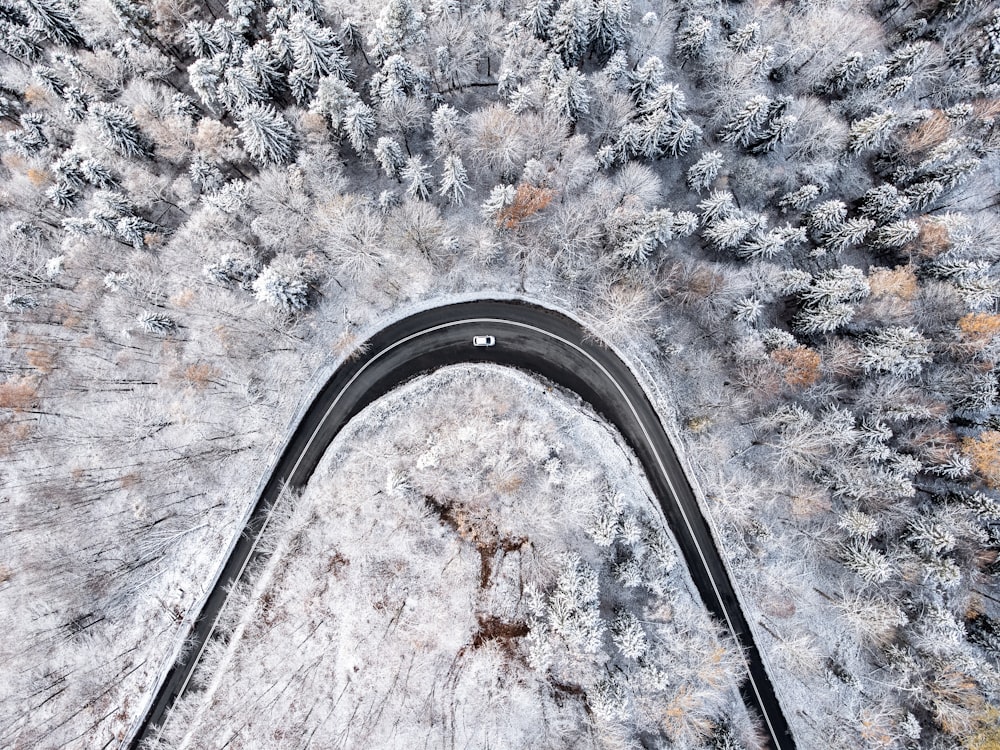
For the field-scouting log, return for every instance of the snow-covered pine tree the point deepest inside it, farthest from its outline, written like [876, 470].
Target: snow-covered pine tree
[157, 324]
[569, 31]
[629, 636]
[398, 27]
[728, 233]
[884, 204]
[205, 78]
[900, 350]
[23, 43]
[776, 131]
[332, 100]
[446, 129]
[417, 177]
[53, 19]
[871, 565]
[500, 197]
[745, 38]
[267, 136]
[537, 15]
[240, 88]
[693, 37]
[847, 234]
[568, 95]
[703, 172]
[647, 77]
[610, 26]
[800, 199]
[283, 284]
[842, 75]
[871, 132]
[827, 216]
[119, 131]
[454, 179]
[744, 126]
[316, 51]
[389, 154]
[359, 125]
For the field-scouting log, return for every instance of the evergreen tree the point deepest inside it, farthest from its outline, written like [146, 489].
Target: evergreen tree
[157, 324]
[62, 195]
[119, 130]
[728, 233]
[870, 564]
[267, 136]
[569, 32]
[703, 172]
[745, 38]
[395, 80]
[693, 37]
[30, 139]
[260, 62]
[647, 78]
[53, 19]
[316, 52]
[20, 42]
[871, 132]
[610, 23]
[568, 95]
[747, 310]
[205, 77]
[132, 230]
[608, 700]
[843, 74]
[801, 198]
[537, 17]
[333, 99]
[719, 205]
[847, 234]
[666, 97]
[201, 40]
[454, 179]
[827, 216]
[446, 127]
[390, 157]
[240, 88]
[283, 284]
[884, 204]
[205, 175]
[901, 351]
[843, 284]
[745, 125]
[628, 635]
[399, 26]
[777, 131]
[500, 197]
[418, 178]
[359, 124]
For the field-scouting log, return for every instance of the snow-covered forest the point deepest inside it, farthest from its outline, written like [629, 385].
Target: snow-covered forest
[462, 570]
[784, 213]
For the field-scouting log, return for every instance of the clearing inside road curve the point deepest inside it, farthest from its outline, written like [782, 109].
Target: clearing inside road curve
[477, 562]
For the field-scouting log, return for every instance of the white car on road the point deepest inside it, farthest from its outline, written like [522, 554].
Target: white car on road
[483, 341]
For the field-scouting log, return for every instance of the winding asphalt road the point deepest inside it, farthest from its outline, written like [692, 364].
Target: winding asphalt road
[527, 337]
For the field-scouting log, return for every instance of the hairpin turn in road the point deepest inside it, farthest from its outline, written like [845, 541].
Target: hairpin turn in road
[531, 338]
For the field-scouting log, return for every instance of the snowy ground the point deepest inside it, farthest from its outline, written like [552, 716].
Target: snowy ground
[478, 562]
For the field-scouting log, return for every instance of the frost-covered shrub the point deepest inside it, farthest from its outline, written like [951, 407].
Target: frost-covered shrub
[284, 283]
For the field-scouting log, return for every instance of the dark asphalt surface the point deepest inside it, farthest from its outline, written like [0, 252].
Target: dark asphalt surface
[527, 337]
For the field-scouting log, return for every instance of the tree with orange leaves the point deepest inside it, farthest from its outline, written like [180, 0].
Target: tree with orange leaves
[984, 451]
[800, 365]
